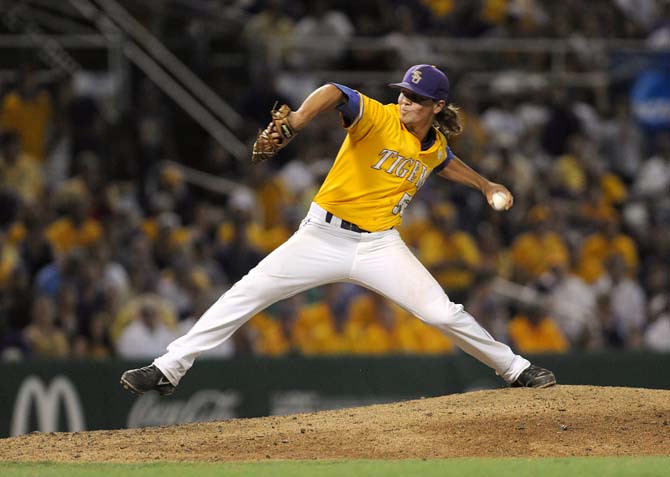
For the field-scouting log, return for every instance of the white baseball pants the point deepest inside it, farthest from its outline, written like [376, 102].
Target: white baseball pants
[319, 253]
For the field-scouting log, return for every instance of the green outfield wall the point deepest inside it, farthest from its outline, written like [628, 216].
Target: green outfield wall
[49, 396]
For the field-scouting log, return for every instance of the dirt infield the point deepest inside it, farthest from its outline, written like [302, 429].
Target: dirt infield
[559, 421]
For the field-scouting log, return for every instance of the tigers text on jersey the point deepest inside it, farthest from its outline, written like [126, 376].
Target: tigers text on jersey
[379, 167]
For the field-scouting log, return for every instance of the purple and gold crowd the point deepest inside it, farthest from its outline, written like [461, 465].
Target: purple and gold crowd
[108, 251]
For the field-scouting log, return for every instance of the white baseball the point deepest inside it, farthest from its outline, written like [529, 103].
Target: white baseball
[499, 200]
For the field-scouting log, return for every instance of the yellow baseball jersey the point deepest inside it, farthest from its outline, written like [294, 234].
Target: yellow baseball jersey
[379, 167]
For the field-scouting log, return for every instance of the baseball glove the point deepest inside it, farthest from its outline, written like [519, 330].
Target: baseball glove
[267, 143]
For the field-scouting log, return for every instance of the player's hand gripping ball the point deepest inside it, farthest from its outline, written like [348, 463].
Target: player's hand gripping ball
[275, 136]
[499, 200]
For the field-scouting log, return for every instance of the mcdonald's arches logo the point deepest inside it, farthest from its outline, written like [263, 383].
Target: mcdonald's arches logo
[46, 400]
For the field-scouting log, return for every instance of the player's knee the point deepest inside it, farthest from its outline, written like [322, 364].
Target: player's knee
[441, 312]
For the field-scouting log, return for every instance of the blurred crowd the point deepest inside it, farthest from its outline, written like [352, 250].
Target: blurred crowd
[107, 250]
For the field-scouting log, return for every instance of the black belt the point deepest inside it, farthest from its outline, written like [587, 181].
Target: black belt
[346, 225]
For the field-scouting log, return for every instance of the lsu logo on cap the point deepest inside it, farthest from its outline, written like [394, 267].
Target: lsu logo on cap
[416, 76]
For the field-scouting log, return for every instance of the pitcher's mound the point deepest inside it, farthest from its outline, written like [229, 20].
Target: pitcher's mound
[558, 421]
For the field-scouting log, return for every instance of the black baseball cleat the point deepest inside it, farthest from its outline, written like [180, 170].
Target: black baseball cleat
[148, 378]
[535, 377]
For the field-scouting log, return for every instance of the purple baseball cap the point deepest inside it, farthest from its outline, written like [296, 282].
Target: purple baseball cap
[425, 80]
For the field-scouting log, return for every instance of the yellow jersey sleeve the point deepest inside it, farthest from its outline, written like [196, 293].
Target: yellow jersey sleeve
[373, 118]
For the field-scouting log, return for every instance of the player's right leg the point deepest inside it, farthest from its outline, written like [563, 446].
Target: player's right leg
[388, 267]
[316, 254]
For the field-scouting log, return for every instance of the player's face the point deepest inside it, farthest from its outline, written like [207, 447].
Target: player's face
[416, 109]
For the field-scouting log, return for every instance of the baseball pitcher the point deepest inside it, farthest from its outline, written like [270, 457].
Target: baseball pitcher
[349, 233]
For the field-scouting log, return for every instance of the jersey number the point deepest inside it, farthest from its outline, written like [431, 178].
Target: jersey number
[399, 208]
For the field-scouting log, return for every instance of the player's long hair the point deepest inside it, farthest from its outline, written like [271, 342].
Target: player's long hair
[448, 121]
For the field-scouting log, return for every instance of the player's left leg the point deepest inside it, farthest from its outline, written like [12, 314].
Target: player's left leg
[385, 265]
[316, 254]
